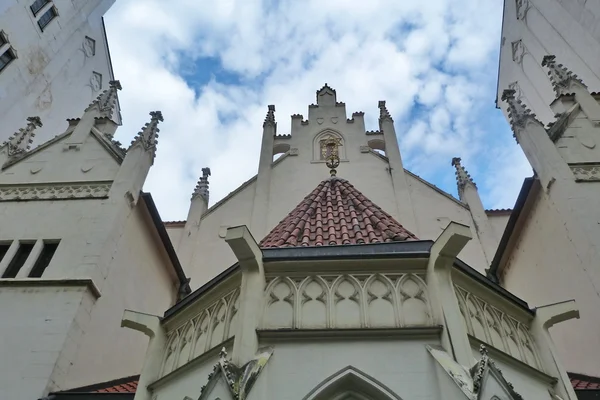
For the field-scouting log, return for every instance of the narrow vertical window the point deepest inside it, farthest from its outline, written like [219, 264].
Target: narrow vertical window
[7, 54]
[47, 17]
[44, 259]
[4, 249]
[18, 260]
[38, 5]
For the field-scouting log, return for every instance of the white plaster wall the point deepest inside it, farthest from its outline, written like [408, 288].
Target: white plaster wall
[544, 268]
[51, 76]
[435, 211]
[53, 164]
[567, 29]
[212, 254]
[139, 279]
[36, 349]
[174, 232]
[498, 223]
[295, 368]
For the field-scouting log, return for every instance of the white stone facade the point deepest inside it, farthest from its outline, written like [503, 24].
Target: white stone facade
[56, 70]
[81, 192]
[532, 29]
[264, 200]
[362, 328]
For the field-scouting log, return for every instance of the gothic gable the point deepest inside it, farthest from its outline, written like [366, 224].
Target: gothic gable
[57, 162]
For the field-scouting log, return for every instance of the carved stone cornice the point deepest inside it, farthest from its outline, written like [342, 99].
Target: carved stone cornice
[55, 191]
[586, 172]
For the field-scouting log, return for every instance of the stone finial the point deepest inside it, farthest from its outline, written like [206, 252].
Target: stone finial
[106, 101]
[326, 96]
[148, 136]
[560, 77]
[462, 176]
[270, 118]
[518, 114]
[20, 141]
[202, 186]
[384, 114]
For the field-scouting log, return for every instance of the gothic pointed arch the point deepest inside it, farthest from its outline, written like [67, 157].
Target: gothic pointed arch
[320, 147]
[351, 383]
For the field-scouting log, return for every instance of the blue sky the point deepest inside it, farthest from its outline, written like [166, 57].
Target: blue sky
[212, 68]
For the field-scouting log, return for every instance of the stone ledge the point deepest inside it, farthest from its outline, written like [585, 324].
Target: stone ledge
[351, 333]
[29, 282]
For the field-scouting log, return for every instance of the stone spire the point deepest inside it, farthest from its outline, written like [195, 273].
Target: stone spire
[518, 114]
[201, 189]
[270, 118]
[105, 102]
[384, 114]
[148, 136]
[462, 176]
[20, 141]
[560, 77]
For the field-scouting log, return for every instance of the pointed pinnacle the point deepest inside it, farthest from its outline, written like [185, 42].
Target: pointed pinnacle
[106, 101]
[462, 176]
[201, 188]
[518, 114]
[560, 76]
[20, 141]
[148, 136]
[383, 112]
[270, 118]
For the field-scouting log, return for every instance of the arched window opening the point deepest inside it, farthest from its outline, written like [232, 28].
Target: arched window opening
[351, 384]
[377, 145]
[279, 150]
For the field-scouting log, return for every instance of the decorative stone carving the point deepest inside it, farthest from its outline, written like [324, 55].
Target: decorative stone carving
[347, 301]
[96, 81]
[148, 136]
[586, 172]
[491, 325]
[90, 190]
[212, 326]
[89, 46]
[334, 120]
[293, 151]
[523, 7]
[518, 51]
[239, 380]
[518, 91]
[365, 149]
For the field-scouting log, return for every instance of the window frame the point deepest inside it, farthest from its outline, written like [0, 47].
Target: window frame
[52, 9]
[36, 12]
[13, 57]
[15, 260]
[38, 268]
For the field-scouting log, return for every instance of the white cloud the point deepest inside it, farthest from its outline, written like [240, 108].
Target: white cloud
[438, 53]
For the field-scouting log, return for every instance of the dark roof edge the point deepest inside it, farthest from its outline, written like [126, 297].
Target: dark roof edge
[500, 54]
[184, 284]
[412, 249]
[200, 291]
[492, 272]
[89, 396]
[465, 268]
[101, 385]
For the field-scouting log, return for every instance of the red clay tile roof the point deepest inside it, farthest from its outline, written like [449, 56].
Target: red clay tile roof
[335, 213]
[584, 382]
[121, 385]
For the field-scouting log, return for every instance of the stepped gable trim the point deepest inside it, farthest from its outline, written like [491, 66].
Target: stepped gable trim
[174, 223]
[121, 385]
[184, 282]
[493, 272]
[110, 147]
[313, 222]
